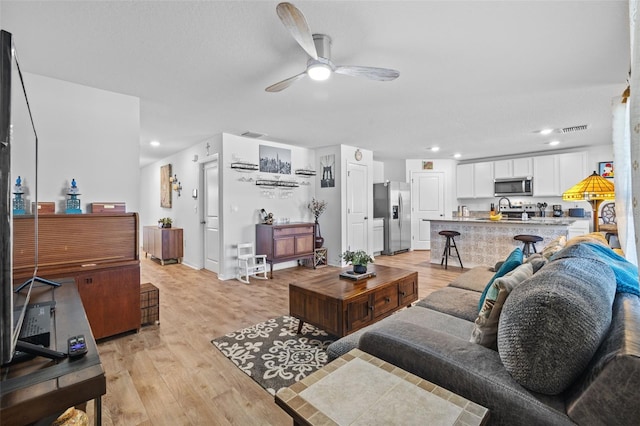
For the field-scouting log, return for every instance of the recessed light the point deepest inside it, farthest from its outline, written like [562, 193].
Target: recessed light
[546, 131]
[554, 143]
[154, 143]
[457, 155]
[435, 148]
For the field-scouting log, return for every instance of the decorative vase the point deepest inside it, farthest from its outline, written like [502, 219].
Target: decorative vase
[319, 240]
[360, 269]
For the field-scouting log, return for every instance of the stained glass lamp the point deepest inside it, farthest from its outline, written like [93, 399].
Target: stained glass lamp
[594, 189]
[73, 202]
[18, 201]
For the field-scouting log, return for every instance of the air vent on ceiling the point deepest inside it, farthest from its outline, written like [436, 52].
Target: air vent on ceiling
[574, 128]
[253, 135]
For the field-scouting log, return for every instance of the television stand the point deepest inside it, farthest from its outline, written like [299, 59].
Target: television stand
[36, 279]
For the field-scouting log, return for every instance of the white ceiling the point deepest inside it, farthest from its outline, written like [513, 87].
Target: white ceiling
[476, 77]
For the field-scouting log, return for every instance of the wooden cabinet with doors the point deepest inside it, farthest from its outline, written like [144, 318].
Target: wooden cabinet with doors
[287, 242]
[162, 243]
[99, 251]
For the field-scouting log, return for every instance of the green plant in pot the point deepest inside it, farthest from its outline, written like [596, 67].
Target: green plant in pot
[359, 259]
[165, 222]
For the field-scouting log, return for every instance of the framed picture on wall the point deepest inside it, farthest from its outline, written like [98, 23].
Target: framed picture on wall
[427, 165]
[605, 169]
[328, 164]
[165, 186]
[275, 160]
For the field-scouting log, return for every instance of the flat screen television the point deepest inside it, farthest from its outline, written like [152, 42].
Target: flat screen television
[18, 149]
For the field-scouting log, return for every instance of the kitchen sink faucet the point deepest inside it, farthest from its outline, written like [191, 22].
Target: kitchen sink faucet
[500, 203]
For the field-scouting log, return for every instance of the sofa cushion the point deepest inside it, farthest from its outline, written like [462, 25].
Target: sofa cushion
[415, 315]
[552, 324]
[474, 279]
[453, 301]
[511, 262]
[485, 330]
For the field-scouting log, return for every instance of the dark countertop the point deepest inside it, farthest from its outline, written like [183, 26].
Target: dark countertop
[543, 221]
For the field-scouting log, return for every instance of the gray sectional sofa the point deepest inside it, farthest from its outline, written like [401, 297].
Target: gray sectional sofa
[572, 356]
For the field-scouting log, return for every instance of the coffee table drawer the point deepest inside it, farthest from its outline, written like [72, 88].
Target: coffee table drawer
[408, 290]
[385, 300]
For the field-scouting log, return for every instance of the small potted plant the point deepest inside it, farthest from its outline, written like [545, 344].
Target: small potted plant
[165, 222]
[359, 259]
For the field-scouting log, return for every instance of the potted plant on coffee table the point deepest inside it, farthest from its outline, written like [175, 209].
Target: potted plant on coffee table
[359, 259]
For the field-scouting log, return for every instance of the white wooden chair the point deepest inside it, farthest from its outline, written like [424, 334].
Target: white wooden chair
[250, 264]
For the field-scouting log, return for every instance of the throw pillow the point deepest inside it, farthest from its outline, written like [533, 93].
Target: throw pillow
[554, 246]
[537, 261]
[485, 330]
[511, 262]
[551, 327]
[593, 237]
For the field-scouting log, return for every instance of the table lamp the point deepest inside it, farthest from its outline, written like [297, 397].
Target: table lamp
[594, 189]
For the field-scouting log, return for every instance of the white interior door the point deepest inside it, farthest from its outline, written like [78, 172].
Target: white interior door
[357, 207]
[211, 217]
[427, 198]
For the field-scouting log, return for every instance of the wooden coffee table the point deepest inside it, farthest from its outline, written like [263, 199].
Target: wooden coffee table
[341, 306]
[360, 389]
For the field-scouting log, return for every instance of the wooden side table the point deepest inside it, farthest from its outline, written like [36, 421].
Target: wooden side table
[360, 388]
[162, 243]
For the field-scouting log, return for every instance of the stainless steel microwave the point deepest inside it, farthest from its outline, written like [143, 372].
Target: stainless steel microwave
[513, 186]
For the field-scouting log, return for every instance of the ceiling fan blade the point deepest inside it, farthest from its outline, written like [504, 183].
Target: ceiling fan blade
[285, 83]
[379, 74]
[297, 25]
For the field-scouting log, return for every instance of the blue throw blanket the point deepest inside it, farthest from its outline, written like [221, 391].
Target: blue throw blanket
[626, 272]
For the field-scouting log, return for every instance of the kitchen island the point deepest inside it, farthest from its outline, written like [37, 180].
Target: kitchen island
[485, 242]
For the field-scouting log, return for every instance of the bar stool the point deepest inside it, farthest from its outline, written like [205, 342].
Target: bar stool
[451, 242]
[529, 242]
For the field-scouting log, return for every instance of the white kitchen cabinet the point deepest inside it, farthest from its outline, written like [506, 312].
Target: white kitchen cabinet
[545, 176]
[579, 227]
[475, 180]
[483, 180]
[464, 181]
[523, 167]
[378, 235]
[572, 168]
[517, 167]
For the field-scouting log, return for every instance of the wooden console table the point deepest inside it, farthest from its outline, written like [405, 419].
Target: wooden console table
[283, 243]
[41, 389]
[162, 243]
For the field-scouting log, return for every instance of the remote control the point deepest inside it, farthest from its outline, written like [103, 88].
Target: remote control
[77, 346]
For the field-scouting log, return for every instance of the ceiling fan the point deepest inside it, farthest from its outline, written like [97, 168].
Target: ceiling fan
[318, 47]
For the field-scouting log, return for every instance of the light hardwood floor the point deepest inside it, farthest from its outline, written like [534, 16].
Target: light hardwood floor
[171, 374]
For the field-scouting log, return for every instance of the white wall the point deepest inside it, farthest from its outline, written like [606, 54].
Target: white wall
[84, 133]
[331, 219]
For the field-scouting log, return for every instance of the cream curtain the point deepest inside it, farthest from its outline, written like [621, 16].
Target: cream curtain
[634, 124]
[621, 154]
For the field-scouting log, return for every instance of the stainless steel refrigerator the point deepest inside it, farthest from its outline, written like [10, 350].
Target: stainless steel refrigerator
[392, 202]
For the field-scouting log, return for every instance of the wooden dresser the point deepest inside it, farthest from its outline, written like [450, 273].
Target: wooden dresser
[162, 243]
[283, 243]
[100, 251]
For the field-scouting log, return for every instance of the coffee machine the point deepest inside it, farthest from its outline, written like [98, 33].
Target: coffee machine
[557, 210]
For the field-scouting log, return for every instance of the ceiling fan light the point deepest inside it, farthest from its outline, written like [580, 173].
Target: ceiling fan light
[319, 72]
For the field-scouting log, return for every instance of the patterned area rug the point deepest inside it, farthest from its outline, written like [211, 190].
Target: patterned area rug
[273, 354]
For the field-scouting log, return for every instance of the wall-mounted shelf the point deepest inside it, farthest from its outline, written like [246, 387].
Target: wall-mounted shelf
[244, 167]
[277, 183]
[305, 172]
